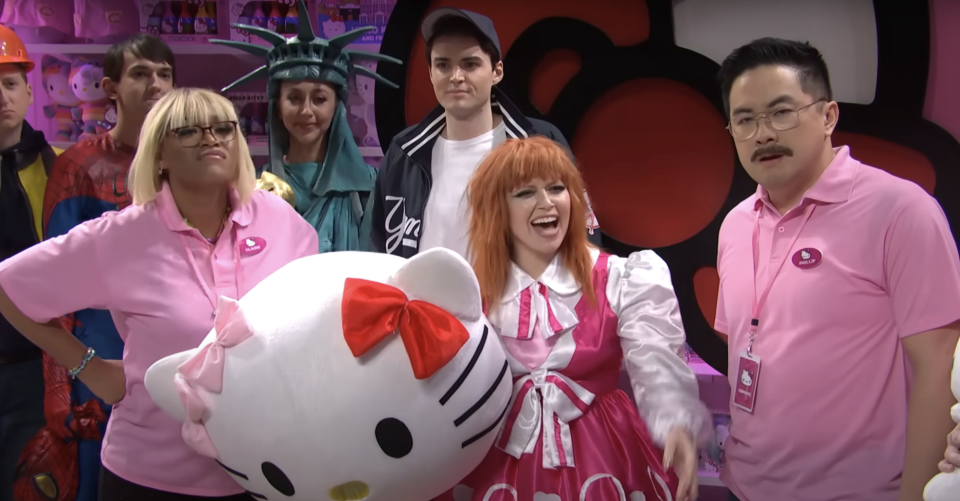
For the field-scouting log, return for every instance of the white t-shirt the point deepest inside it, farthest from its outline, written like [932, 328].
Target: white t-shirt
[445, 218]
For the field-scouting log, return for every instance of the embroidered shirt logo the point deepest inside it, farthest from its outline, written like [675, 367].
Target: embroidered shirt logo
[402, 231]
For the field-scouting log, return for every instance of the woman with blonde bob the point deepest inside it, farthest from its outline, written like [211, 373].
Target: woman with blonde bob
[569, 317]
[197, 231]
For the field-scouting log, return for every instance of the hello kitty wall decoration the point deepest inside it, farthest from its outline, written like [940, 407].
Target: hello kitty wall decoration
[946, 486]
[345, 375]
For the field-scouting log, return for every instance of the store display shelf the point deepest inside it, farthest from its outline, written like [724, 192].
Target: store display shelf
[710, 478]
[184, 49]
[259, 150]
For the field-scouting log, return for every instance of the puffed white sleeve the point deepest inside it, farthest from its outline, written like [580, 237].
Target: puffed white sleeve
[652, 338]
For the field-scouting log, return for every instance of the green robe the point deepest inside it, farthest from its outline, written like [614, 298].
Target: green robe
[333, 197]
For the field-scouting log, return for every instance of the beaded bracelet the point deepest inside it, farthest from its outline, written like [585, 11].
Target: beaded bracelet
[83, 363]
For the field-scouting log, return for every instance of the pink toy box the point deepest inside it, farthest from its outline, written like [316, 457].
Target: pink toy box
[183, 21]
[60, 21]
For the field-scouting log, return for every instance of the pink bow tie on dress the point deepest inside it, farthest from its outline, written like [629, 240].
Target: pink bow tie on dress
[204, 370]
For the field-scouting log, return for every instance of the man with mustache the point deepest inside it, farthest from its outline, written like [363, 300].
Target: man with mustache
[90, 178]
[833, 276]
[419, 201]
[25, 159]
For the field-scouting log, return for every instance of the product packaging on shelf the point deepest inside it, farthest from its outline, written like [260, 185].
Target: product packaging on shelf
[252, 110]
[70, 21]
[335, 17]
[712, 458]
[182, 21]
[360, 109]
[275, 15]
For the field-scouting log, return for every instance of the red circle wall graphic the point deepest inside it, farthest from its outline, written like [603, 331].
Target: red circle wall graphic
[645, 121]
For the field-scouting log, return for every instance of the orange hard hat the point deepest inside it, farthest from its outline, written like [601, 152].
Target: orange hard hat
[12, 50]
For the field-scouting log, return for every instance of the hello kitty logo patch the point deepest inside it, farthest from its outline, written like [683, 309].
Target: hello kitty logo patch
[807, 258]
[113, 16]
[46, 11]
[252, 246]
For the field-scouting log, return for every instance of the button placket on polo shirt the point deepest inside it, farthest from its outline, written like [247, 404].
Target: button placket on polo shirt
[223, 264]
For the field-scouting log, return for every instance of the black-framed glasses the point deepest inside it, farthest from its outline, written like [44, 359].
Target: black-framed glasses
[191, 136]
[745, 127]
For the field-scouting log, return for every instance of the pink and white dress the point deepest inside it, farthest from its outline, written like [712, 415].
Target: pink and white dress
[570, 434]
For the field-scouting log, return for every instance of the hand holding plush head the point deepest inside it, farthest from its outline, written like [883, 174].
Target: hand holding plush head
[946, 486]
[345, 376]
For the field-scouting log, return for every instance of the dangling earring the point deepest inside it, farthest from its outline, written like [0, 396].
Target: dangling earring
[160, 171]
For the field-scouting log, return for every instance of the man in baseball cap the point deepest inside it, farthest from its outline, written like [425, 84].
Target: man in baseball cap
[419, 199]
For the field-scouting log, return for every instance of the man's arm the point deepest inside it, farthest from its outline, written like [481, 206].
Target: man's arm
[931, 356]
[922, 278]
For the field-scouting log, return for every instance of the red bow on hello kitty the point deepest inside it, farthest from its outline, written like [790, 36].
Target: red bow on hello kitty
[371, 311]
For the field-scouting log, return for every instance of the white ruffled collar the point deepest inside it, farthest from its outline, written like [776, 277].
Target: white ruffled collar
[530, 305]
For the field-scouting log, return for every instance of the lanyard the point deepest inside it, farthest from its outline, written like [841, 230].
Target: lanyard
[758, 302]
[213, 298]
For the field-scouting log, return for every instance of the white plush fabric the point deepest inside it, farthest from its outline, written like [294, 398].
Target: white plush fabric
[946, 486]
[295, 396]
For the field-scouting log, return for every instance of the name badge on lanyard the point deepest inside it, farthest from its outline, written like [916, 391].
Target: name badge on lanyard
[748, 368]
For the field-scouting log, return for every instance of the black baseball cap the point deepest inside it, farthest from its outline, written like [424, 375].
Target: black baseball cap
[483, 23]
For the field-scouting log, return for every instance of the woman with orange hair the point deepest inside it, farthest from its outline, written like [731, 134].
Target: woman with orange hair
[569, 316]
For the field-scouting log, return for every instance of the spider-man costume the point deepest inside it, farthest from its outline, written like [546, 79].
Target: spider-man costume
[88, 179]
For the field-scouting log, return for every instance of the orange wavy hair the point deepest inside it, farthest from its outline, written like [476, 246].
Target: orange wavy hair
[511, 165]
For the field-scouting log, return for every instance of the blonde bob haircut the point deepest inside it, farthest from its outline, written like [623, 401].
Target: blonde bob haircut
[184, 107]
[508, 167]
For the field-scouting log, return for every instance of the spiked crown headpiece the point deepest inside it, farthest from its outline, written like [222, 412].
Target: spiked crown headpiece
[308, 57]
[307, 50]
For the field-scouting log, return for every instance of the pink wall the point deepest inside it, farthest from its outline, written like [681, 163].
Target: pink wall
[943, 87]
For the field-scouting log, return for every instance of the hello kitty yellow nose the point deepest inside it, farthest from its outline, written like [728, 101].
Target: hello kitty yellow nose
[84, 89]
[61, 93]
[354, 490]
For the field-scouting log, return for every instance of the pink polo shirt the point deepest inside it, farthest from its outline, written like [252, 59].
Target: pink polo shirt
[160, 280]
[830, 419]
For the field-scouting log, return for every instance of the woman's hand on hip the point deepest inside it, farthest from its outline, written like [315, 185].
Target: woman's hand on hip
[105, 379]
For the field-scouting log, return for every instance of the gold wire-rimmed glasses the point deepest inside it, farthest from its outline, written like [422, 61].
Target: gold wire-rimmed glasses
[745, 127]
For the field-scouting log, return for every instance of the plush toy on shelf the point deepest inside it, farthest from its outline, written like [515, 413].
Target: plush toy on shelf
[946, 486]
[85, 78]
[344, 375]
[63, 102]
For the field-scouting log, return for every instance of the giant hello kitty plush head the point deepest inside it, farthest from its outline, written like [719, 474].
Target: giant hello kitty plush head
[946, 486]
[345, 376]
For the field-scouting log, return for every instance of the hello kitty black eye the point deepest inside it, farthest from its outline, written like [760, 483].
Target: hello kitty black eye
[394, 438]
[277, 478]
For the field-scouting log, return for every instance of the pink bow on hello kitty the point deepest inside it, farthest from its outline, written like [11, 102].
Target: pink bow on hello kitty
[204, 370]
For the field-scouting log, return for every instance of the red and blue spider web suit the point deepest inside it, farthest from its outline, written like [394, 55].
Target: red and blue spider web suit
[88, 179]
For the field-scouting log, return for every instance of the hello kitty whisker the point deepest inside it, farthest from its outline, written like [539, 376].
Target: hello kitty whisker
[466, 371]
[232, 471]
[486, 396]
[488, 429]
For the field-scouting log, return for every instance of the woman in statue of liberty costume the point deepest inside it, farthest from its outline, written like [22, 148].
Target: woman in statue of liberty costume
[313, 157]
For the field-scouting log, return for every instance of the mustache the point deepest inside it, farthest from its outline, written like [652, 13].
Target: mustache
[775, 149]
